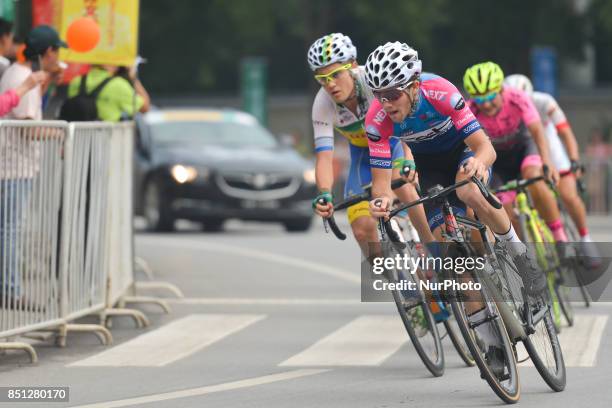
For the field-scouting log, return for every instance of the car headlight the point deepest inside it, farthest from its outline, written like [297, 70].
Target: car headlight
[309, 176]
[183, 174]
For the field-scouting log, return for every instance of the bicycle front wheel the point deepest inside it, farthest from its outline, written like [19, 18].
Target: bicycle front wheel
[545, 351]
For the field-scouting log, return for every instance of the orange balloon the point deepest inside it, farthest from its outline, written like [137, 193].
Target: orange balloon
[83, 34]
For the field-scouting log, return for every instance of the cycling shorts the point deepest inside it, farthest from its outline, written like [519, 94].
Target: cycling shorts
[360, 175]
[510, 163]
[441, 168]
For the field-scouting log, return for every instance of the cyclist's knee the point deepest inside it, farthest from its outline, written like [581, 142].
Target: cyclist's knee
[471, 196]
[407, 193]
[364, 229]
[530, 172]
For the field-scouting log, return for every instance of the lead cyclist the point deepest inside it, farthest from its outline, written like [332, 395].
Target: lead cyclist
[427, 113]
[342, 104]
[565, 156]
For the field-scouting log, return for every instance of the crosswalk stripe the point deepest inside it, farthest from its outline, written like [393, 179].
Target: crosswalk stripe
[580, 343]
[366, 341]
[171, 342]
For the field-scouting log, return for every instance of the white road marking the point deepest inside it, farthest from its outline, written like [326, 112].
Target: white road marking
[171, 342]
[262, 301]
[366, 341]
[580, 343]
[234, 250]
[209, 389]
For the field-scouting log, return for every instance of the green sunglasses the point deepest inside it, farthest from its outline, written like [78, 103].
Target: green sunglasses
[325, 79]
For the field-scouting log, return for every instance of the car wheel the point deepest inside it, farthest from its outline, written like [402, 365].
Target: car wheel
[213, 225]
[155, 209]
[298, 225]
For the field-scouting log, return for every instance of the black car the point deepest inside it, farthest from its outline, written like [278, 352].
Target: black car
[212, 165]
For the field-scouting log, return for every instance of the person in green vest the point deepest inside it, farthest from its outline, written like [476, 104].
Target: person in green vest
[116, 100]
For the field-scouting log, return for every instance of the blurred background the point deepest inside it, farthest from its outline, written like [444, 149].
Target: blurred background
[251, 55]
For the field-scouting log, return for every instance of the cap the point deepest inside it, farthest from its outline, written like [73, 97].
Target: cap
[41, 38]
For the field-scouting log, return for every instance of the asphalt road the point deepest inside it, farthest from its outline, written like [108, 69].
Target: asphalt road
[271, 319]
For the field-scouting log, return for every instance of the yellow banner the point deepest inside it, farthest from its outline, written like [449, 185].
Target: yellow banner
[118, 20]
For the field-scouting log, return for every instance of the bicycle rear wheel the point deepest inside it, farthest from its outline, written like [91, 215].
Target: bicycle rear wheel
[454, 333]
[563, 296]
[420, 325]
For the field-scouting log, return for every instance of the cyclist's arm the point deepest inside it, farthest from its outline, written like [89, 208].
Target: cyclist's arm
[564, 130]
[407, 152]
[569, 141]
[483, 150]
[324, 170]
[379, 128]
[323, 130]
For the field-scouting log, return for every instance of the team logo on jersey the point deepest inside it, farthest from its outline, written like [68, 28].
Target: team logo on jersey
[373, 133]
[471, 128]
[436, 95]
[457, 101]
[380, 116]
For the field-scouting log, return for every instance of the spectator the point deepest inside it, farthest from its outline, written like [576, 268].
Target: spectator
[6, 44]
[11, 98]
[41, 53]
[19, 156]
[116, 100]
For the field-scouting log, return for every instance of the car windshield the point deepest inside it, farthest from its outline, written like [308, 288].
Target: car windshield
[193, 133]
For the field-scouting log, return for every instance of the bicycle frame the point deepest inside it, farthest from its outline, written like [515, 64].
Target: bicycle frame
[541, 236]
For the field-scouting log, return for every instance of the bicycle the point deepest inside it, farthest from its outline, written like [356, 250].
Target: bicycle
[578, 262]
[535, 230]
[513, 315]
[425, 338]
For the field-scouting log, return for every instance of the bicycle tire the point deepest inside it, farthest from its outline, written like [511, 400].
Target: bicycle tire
[583, 291]
[458, 342]
[511, 392]
[578, 266]
[565, 303]
[556, 380]
[434, 362]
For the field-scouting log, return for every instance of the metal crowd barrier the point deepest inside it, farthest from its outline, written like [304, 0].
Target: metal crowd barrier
[31, 179]
[66, 237]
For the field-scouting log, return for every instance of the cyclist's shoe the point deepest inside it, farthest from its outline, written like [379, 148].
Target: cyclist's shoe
[529, 270]
[591, 253]
[496, 361]
[418, 321]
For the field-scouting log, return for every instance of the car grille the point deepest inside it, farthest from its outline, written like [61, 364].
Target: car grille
[263, 186]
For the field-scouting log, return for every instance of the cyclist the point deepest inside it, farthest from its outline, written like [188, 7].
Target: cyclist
[513, 124]
[342, 104]
[429, 114]
[561, 141]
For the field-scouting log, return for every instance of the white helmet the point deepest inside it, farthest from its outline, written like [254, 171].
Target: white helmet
[519, 81]
[392, 65]
[329, 49]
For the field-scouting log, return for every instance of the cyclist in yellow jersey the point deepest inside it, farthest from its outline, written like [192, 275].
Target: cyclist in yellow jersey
[342, 104]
